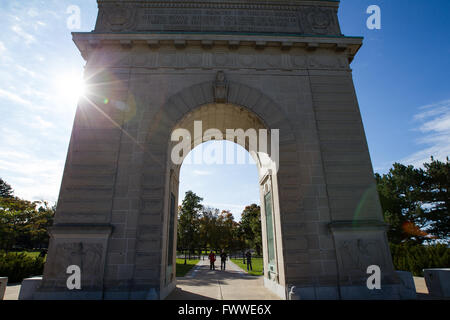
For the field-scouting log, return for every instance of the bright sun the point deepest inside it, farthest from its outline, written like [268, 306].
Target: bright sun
[70, 87]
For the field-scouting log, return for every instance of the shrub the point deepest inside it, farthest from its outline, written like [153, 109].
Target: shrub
[18, 266]
[415, 258]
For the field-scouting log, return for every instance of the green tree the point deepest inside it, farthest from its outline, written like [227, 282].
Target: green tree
[5, 189]
[415, 202]
[24, 223]
[203, 225]
[39, 224]
[437, 197]
[400, 192]
[251, 226]
[188, 221]
[225, 224]
[239, 243]
[208, 236]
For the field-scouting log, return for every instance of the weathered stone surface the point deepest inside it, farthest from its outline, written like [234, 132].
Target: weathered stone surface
[409, 288]
[29, 287]
[3, 284]
[438, 282]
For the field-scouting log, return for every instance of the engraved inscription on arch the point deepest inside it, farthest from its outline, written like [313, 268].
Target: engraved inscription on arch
[217, 17]
[244, 20]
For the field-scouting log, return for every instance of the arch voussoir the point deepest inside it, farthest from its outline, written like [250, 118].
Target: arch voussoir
[252, 99]
[198, 95]
[233, 93]
[207, 91]
[188, 97]
[242, 94]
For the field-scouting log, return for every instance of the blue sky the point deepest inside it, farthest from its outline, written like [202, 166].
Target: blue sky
[401, 77]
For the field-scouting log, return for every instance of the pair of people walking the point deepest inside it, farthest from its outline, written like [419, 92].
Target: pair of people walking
[212, 260]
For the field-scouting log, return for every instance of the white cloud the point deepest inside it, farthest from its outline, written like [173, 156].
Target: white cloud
[31, 164]
[202, 172]
[26, 71]
[13, 97]
[40, 123]
[31, 176]
[37, 122]
[434, 124]
[23, 34]
[33, 12]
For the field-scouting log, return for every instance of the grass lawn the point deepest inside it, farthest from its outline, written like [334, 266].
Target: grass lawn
[31, 254]
[182, 268]
[257, 266]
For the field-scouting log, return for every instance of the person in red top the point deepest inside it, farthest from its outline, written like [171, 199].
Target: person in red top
[212, 259]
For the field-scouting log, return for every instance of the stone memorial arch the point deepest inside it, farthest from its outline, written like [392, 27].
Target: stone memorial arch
[278, 65]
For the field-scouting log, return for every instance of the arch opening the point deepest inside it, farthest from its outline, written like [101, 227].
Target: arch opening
[218, 121]
[228, 123]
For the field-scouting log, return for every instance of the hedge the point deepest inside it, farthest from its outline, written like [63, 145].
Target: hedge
[18, 266]
[415, 258]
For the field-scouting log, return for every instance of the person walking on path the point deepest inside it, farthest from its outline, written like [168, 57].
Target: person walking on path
[212, 259]
[223, 259]
[249, 261]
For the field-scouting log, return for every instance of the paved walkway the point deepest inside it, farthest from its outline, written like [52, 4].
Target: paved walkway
[12, 292]
[421, 286]
[232, 284]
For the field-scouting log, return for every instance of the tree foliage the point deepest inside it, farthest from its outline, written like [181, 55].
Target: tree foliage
[415, 258]
[24, 224]
[251, 227]
[203, 228]
[188, 220]
[437, 197]
[18, 266]
[415, 202]
[208, 225]
[5, 189]
[225, 226]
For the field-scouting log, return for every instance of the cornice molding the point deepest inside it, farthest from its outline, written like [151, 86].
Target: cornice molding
[88, 42]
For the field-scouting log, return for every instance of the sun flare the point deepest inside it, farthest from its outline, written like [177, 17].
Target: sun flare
[70, 87]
